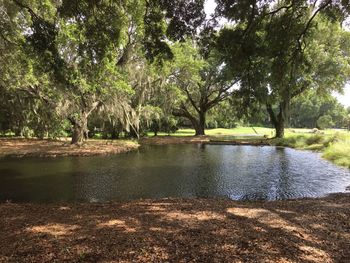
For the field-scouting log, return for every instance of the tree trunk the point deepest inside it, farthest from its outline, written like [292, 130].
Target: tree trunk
[19, 129]
[114, 134]
[197, 124]
[79, 129]
[78, 134]
[279, 127]
[18, 133]
[200, 127]
[133, 133]
[278, 122]
[282, 118]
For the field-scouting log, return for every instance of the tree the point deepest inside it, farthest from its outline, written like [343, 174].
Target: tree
[72, 67]
[25, 88]
[279, 52]
[325, 122]
[82, 49]
[202, 84]
[224, 115]
[306, 110]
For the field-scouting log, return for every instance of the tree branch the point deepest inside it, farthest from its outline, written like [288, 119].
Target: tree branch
[308, 24]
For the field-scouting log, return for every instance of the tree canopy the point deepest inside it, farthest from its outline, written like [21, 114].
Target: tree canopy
[75, 67]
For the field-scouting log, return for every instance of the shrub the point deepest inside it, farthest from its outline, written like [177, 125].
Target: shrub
[325, 122]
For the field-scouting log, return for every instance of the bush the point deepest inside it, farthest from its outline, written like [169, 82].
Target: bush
[325, 122]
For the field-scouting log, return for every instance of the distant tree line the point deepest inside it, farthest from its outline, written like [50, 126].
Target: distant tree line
[309, 111]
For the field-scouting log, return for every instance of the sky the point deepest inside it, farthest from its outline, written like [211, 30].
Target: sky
[209, 7]
[345, 98]
[342, 98]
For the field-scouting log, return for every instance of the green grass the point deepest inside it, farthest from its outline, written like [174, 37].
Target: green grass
[246, 131]
[334, 145]
[7, 134]
[239, 131]
[339, 152]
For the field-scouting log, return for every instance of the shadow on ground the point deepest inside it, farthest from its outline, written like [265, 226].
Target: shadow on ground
[178, 230]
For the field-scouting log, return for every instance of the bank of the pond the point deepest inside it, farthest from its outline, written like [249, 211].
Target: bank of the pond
[334, 147]
[164, 140]
[53, 148]
[178, 230]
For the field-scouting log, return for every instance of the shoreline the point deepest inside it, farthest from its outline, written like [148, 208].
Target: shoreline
[178, 230]
[21, 147]
[337, 157]
[333, 195]
[165, 140]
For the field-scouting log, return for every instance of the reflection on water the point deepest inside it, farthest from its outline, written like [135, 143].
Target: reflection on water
[236, 172]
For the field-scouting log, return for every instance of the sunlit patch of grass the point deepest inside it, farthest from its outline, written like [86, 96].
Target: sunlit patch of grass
[314, 147]
[335, 146]
[7, 134]
[239, 131]
[339, 152]
[238, 137]
[294, 141]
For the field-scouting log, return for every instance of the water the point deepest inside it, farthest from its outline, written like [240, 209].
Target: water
[236, 172]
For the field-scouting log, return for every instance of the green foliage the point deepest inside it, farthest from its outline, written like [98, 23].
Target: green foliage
[123, 67]
[279, 53]
[201, 83]
[306, 111]
[325, 121]
[222, 116]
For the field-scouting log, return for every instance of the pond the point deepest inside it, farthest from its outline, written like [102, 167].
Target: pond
[235, 172]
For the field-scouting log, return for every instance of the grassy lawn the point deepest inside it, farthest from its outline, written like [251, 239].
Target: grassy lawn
[239, 131]
[245, 131]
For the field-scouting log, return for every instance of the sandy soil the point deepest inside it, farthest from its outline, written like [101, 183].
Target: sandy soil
[53, 148]
[178, 230]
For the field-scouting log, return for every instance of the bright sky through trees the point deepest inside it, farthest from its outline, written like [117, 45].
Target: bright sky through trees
[344, 98]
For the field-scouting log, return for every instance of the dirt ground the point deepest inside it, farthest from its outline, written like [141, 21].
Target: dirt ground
[178, 230]
[52, 148]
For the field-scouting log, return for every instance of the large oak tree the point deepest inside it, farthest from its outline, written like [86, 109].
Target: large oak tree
[279, 51]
